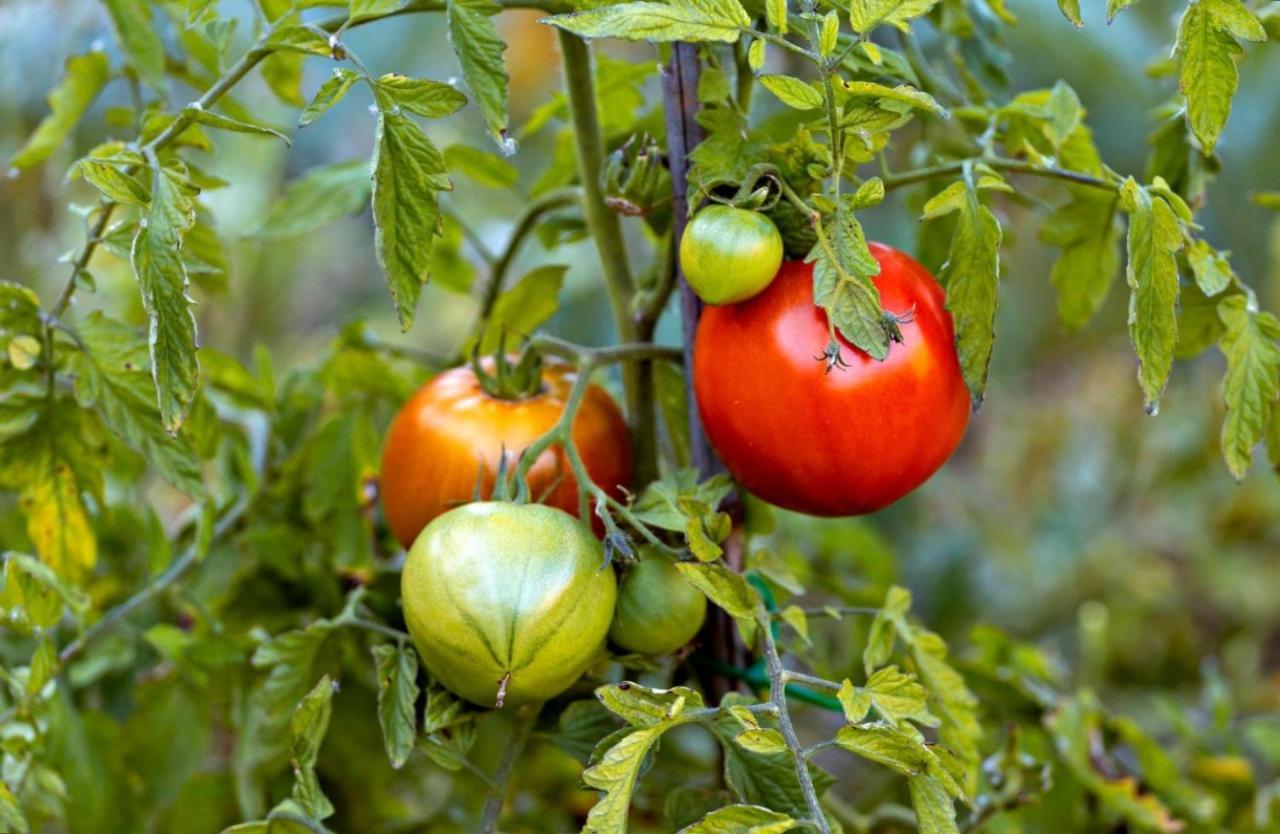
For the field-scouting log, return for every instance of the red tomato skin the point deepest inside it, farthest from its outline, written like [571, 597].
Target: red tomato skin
[452, 432]
[847, 442]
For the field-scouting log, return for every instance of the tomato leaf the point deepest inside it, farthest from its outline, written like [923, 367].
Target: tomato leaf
[1252, 381]
[742, 819]
[85, 76]
[408, 171]
[307, 730]
[971, 275]
[330, 93]
[1207, 48]
[111, 374]
[431, 99]
[397, 667]
[1153, 242]
[319, 197]
[866, 15]
[1088, 232]
[140, 39]
[679, 20]
[479, 48]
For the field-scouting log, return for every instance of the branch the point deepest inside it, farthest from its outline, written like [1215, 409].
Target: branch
[525, 719]
[778, 697]
[1016, 166]
[175, 571]
[525, 225]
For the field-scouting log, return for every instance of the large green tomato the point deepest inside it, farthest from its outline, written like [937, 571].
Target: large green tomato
[658, 610]
[729, 254]
[498, 592]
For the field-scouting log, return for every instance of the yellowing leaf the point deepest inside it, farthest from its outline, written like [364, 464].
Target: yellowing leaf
[1207, 49]
[1153, 242]
[866, 15]
[1252, 382]
[792, 91]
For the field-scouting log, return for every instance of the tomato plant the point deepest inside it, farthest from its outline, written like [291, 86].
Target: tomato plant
[317, 317]
[448, 440]
[831, 431]
[729, 254]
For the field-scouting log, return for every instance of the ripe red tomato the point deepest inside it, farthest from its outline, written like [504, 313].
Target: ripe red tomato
[841, 443]
[451, 431]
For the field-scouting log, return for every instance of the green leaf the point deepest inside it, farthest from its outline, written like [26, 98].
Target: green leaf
[640, 706]
[308, 40]
[715, 21]
[524, 308]
[763, 740]
[830, 34]
[1088, 232]
[792, 92]
[727, 589]
[900, 98]
[885, 744]
[1252, 381]
[140, 39]
[481, 166]
[616, 773]
[290, 657]
[896, 696]
[367, 9]
[111, 374]
[1152, 272]
[162, 277]
[330, 93]
[866, 15]
[408, 171]
[762, 779]
[843, 267]
[1211, 268]
[934, 807]
[1207, 48]
[1071, 11]
[307, 729]
[113, 183]
[397, 699]
[431, 99]
[85, 76]
[319, 197]
[11, 816]
[756, 55]
[776, 14]
[479, 48]
[51, 466]
[1114, 7]
[33, 596]
[582, 724]
[971, 276]
[221, 122]
[742, 819]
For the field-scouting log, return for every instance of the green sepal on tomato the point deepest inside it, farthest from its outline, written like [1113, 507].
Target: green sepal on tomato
[507, 604]
[845, 442]
[729, 254]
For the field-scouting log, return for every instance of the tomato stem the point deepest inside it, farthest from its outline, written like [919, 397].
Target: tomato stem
[526, 717]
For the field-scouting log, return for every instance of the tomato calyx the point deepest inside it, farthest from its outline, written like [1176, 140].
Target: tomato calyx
[504, 379]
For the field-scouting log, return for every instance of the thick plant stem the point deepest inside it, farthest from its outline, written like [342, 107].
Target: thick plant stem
[680, 103]
[606, 231]
[778, 697]
[525, 719]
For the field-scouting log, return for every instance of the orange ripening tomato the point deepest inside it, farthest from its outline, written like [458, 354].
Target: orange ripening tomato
[451, 434]
[846, 442]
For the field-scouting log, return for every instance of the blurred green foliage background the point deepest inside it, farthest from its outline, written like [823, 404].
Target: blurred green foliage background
[1115, 542]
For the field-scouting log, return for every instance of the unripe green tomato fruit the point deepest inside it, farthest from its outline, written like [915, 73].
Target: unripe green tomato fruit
[496, 591]
[658, 610]
[729, 254]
